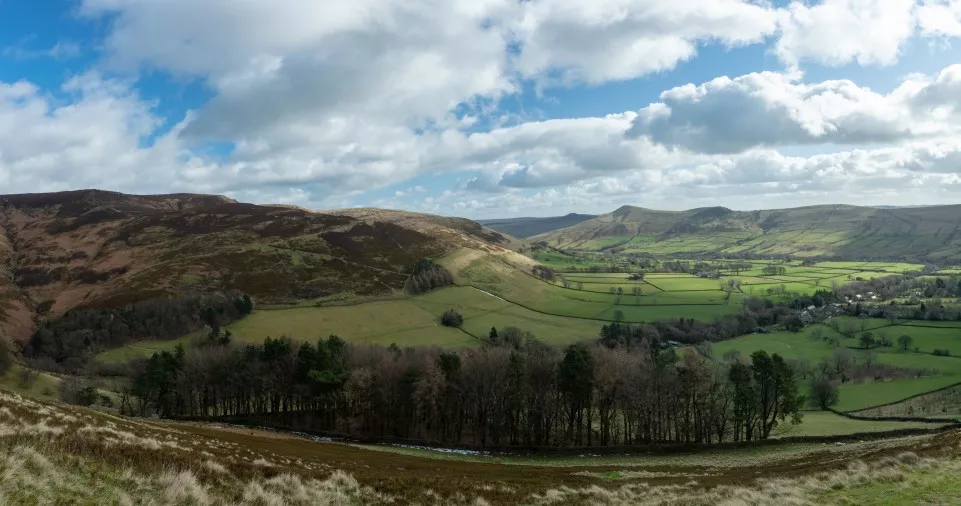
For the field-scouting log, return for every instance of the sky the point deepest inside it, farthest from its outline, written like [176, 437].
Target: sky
[486, 108]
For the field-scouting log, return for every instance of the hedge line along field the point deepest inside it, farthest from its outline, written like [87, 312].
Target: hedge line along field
[939, 371]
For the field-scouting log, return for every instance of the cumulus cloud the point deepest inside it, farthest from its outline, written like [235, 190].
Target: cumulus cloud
[603, 40]
[273, 63]
[940, 18]
[319, 102]
[776, 109]
[921, 173]
[96, 140]
[837, 32]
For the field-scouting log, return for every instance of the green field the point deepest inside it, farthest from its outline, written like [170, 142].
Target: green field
[512, 283]
[941, 371]
[944, 403]
[866, 395]
[41, 386]
[413, 321]
[499, 291]
[825, 423]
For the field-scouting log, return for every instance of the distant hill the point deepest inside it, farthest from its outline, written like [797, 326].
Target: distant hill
[526, 227]
[91, 248]
[928, 233]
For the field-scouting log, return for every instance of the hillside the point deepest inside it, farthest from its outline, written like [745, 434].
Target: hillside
[92, 248]
[842, 231]
[527, 227]
[58, 454]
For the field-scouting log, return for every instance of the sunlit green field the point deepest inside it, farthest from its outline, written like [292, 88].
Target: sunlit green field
[413, 321]
[940, 371]
[825, 423]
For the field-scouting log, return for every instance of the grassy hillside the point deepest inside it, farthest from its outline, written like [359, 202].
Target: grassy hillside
[54, 454]
[508, 276]
[101, 249]
[926, 233]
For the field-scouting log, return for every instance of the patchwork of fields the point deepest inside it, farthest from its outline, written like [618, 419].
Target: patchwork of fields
[938, 371]
[500, 291]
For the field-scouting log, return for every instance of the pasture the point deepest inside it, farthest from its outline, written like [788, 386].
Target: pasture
[498, 290]
[594, 301]
[414, 321]
[939, 371]
[826, 423]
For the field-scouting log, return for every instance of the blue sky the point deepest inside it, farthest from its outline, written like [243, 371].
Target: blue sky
[486, 108]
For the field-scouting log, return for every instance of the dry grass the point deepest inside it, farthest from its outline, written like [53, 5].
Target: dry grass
[808, 490]
[52, 454]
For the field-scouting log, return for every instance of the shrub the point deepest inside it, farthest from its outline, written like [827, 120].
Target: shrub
[79, 393]
[452, 318]
[793, 324]
[904, 342]
[824, 393]
[544, 272]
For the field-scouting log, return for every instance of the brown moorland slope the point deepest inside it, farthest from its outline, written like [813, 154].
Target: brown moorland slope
[92, 248]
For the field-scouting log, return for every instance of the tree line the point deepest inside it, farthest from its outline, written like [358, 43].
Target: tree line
[68, 343]
[513, 391]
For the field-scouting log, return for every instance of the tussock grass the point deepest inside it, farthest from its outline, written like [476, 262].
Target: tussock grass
[53, 454]
[808, 490]
[65, 455]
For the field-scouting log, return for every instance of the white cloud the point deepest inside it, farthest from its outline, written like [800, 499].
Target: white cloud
[837, 32]
[940, 18]
[322, 101]
[92, 141]
[294, 61]
[775, 109]
[923, 173]
[603, 40]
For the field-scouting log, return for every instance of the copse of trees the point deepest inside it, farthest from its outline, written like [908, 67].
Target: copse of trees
[511, 393]
[544, 272]
[68, 342]
[774, 270]
[755, 313]
[426, 276]
[452, 318]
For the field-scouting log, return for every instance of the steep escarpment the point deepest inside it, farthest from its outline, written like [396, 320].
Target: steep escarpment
[91, 249]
